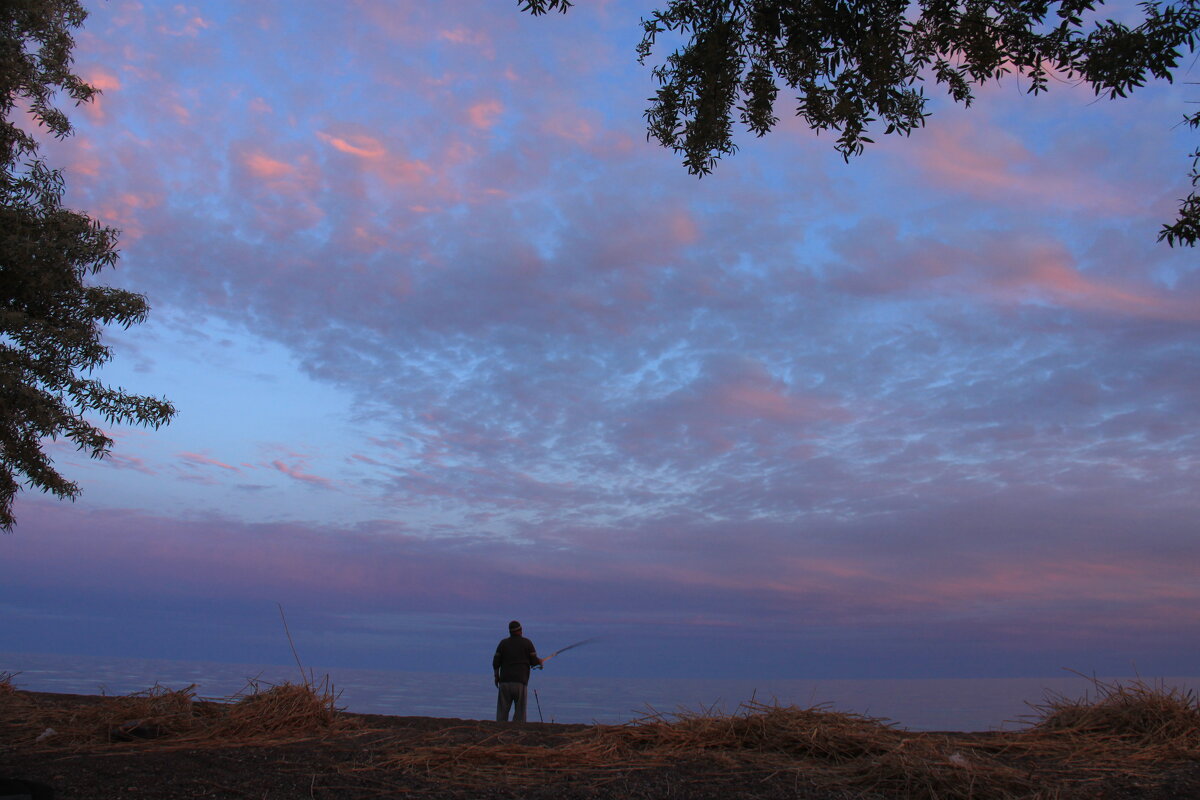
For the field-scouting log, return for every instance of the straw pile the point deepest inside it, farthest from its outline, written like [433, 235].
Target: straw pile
[277, 711]
[813, 746]
[161, 717]
[1071, 747]
[159, 710]
[1139, 712]
[1127, 729]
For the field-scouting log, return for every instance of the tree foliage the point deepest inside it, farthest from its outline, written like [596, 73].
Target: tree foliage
[860, 64]
[51, 314]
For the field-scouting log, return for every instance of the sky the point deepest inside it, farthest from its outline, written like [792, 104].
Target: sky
[452, 343]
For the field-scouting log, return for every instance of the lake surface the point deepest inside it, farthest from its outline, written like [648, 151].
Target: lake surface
[966, 704]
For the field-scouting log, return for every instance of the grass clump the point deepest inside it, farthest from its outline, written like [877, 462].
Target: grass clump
[815, 746]
[280, 709]
[159, 716]
[1145, 713]
[814, 732]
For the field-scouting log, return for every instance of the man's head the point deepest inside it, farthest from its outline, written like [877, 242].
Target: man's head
[514, 628]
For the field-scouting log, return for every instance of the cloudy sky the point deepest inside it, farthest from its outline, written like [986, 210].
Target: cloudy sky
[452, 343]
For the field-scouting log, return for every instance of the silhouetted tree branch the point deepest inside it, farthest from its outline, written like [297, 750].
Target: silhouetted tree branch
[856, 65]
[50, 315]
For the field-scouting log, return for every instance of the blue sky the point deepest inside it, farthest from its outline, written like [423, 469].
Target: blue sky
[452, 343]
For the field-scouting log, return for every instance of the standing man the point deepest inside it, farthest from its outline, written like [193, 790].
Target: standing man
[515, 656]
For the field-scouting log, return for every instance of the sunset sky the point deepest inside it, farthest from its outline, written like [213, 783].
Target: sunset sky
[452, 343]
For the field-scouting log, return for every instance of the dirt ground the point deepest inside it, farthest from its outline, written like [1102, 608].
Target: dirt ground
[359, 756]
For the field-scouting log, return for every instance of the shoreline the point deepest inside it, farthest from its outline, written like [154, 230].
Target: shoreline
[963, 704]
[385, 721]
[924, 704]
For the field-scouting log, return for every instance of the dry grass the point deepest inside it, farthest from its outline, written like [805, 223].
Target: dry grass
[812, 732]
[1068, 747]
[160, 717]
[819, 747]
[280, 710]
[6, 685]
[1122, 729]
[1148, 714]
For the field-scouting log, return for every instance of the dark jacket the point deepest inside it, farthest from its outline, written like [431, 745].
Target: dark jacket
[514, 657]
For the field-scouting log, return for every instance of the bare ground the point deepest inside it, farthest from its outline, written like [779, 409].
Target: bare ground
[771, 754]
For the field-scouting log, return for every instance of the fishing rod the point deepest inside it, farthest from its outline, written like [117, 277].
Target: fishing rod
[537, 699]
[568, 647]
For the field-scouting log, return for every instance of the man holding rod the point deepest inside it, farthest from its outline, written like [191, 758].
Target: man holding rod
[514, 657]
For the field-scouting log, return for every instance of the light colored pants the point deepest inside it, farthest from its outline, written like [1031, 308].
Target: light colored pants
[511, 694]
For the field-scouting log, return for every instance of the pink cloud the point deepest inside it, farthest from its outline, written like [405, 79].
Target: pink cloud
[102, 79]
[758, 401]
[399, 171]
[1002, 269]
[1050, 273]
[105, 81]
[777, 580]
[463, 36]
[188, 22]
[120, 461]
[378, 161]
[484, 113]
[295, 471]
[263, 166]
[1145, 582]
[585, 132]
[82, 159]
[971, 158]
[202, 460]
[682, 227]
[735, 400]
[279, 194]
[356, 145]
[574, 127]
[181, 112]
[955, 154]
[477, 40]
[128, 212]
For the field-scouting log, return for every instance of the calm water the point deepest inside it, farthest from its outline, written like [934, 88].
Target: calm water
[925, 704]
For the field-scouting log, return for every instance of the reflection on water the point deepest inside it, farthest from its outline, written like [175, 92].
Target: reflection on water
[925, 704]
